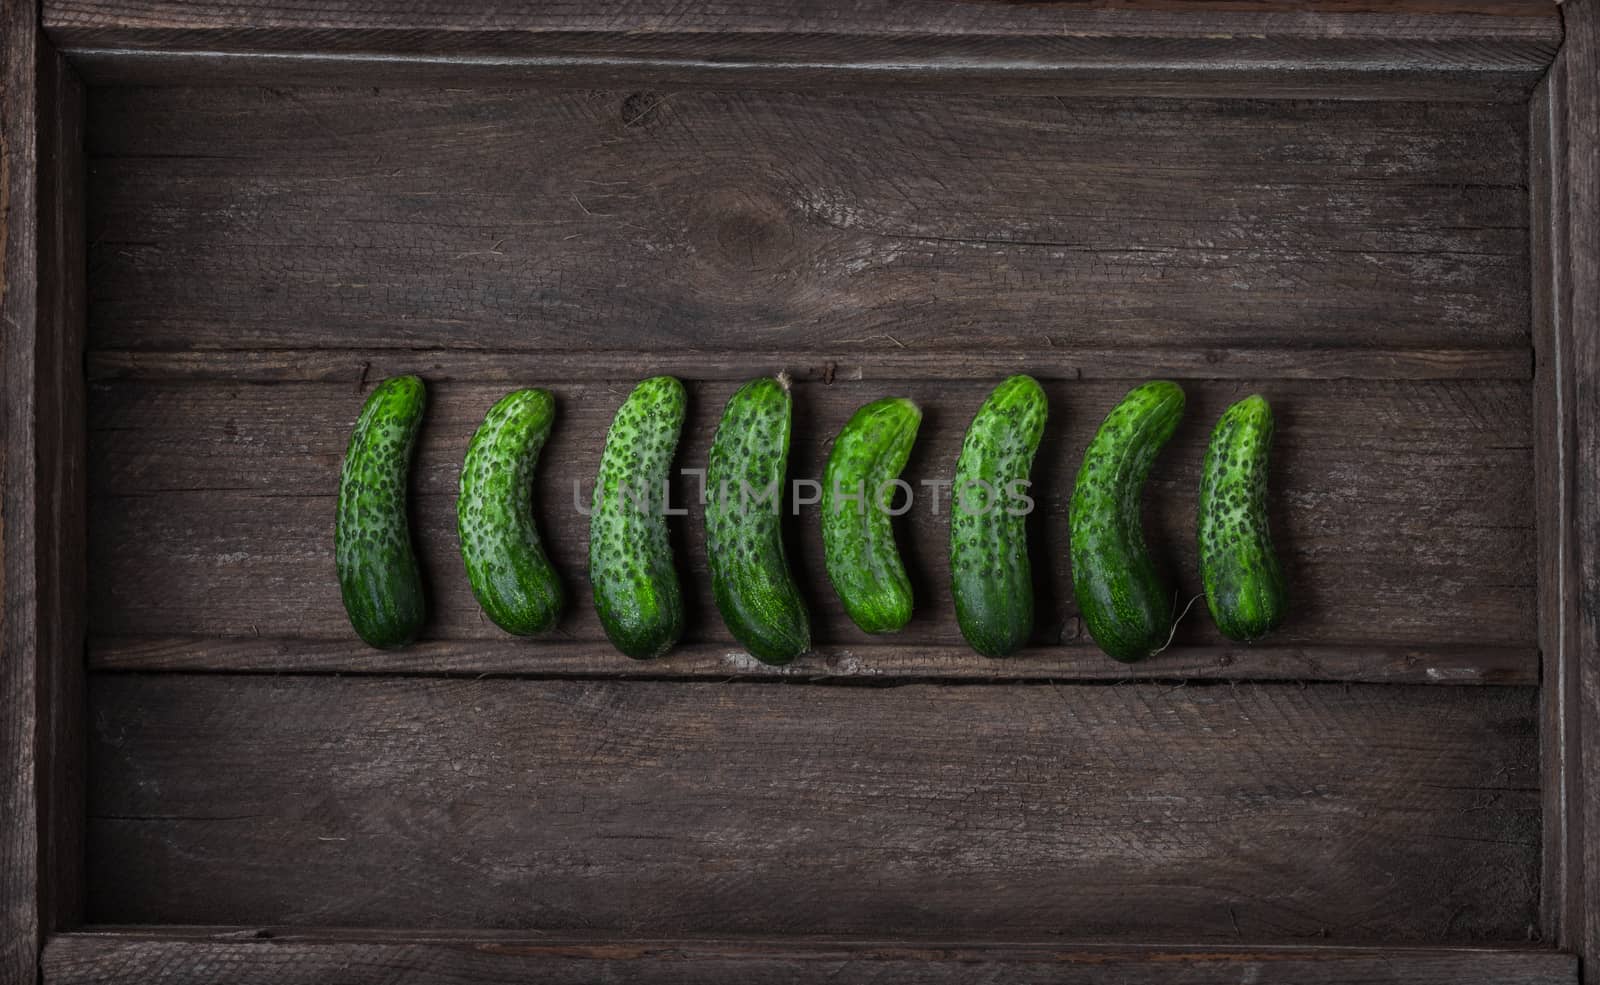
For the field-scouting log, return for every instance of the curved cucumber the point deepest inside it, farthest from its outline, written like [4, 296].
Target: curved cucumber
[756, 594]
[510, 575]
[1244, 583]
[990, 576]
[378, 574]
[1124, 603]
[857, 537]
[631, 566]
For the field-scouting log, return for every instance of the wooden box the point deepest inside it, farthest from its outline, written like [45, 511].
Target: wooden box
[223, 223]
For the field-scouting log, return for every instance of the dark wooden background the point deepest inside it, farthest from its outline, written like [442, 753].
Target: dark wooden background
[258, 256]
[1378, 212]
[1246, 812]
[724, 236]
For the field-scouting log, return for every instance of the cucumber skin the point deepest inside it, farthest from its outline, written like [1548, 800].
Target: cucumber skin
[1244, 583]
[1125, 604]
[378, 574]
[990, 575]
[857, 536]
[750, 579]
[636, 591]
[506, 564]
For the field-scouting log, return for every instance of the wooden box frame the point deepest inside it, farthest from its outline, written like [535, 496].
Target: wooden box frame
[1148, 47]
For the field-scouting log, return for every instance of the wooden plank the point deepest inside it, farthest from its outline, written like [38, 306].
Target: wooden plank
[289, 958]
[42, 492]
[1300, 73]
[1249, 813]
[1554, 454]
[1130, 362]
[102, 21]
[1359, 47]
[1574, 674]
[758, 222]
[212, 507]
[61, 480]
[21, 922]
[1076, 660]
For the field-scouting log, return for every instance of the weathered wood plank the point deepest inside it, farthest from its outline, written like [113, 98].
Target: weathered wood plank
[753, 221]
[1003, 76]
[62, 486]
[1247, 813]
[1077, 660]
[1403, 510]
[102, 21]
[197, 957]
[21, 842]
[1129, 362]
[42, 492]
[1374, 50]
[1554, 484]
[1573, 677]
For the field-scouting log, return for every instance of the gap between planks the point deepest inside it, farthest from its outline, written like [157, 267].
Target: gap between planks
[1046, 360]
[866, 664]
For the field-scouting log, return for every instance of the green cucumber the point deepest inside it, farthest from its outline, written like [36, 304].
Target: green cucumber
[990, 576]
[857, 537]
[631, 567]
[1244, 583]
[757, 596]
[506, 565]
[378, 574]
[1125, 604]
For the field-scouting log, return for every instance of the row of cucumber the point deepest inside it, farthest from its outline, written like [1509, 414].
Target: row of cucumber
[1125, 604]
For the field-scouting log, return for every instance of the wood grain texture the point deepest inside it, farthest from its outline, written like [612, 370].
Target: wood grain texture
[1554, 463]
[80, 20]
[946, 74]
[61, 480]
[237, 232]
[841, 663]
[1370, 49]
[1249, 813]
[42, 493]
[197, 957]
[21, 926]
[757, 221]
[1575, 287]
[1006, 77]
[1045, 362]
[500, 237]
[1403, 513]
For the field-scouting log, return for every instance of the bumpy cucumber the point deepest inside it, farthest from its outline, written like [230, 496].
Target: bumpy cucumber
[756, 594]
[378, 574]
[630, 558]
[990, 576]
[506, 565]
[1125, 604]
[1244, 583]
[857, 492]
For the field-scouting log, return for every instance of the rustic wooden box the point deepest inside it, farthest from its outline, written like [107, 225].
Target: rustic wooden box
[221, 223]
